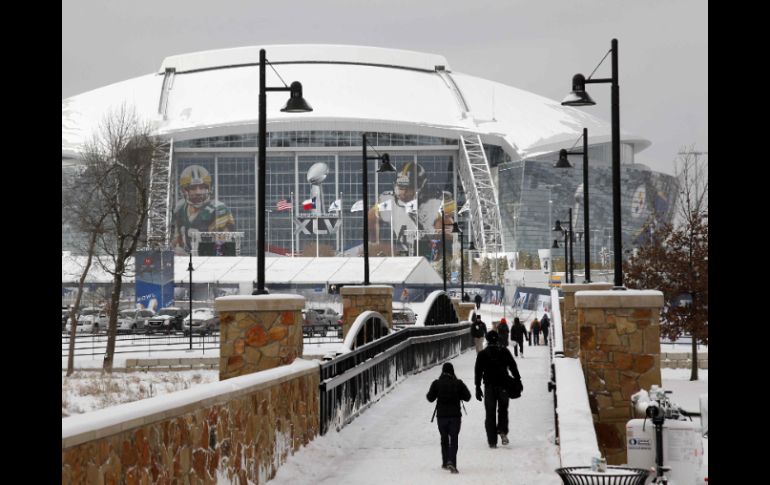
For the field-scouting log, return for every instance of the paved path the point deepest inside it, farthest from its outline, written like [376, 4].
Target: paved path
[394, 442]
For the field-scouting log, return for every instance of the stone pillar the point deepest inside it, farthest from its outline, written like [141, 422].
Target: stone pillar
[620, 354]
[358, 299]
[569, 315]
[258, 332]
[466, 309]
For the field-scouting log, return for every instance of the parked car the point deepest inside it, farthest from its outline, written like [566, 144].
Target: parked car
[90, 320]
[310, 317]
[167, 320]
[205, 321]
[325, 315]
[404, 316]
[133, 320]
[65, 315]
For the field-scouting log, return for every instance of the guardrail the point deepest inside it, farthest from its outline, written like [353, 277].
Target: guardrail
[573, 422]
[96, 344]
[353, 381]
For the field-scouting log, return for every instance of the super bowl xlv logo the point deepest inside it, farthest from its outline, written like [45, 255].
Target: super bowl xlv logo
[317, 225]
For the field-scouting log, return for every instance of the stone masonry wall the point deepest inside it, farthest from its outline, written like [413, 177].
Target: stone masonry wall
[240, 438]
[358, 299]
[683, 360]
[466, 309]
[571, 336]
[258, 332]
[620, 354]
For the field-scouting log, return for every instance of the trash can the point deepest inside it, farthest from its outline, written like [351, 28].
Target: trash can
[615, 475]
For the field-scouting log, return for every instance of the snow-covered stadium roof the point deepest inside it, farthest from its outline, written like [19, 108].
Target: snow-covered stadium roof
[283, 270]
[353, 88]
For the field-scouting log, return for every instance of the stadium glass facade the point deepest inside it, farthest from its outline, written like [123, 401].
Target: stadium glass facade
[231, 162]
[526, 186]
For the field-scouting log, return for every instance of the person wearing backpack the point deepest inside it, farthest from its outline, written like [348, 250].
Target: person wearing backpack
[492, 366]
[447, 391]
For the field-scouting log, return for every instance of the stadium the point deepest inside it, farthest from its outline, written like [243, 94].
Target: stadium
[481, 150]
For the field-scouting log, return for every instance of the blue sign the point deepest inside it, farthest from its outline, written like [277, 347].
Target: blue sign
[154, 279]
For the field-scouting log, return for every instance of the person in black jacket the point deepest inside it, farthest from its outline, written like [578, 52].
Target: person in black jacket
[448, 389]
[477, 300]
[492, 365]
[518, 332]
[478, 331]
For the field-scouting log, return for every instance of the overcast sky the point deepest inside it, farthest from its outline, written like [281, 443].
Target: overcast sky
[534, 45]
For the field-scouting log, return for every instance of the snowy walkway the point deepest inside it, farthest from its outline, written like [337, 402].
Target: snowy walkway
[394, 442]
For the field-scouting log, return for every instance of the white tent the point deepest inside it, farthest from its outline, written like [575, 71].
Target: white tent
[279, 270]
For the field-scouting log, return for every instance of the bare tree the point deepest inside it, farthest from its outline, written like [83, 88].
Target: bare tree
[693, 222]
[120, 157]
[675, 258]
[82, 209]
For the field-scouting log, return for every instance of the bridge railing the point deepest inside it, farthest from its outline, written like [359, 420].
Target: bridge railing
[353, 381]
[573, 421]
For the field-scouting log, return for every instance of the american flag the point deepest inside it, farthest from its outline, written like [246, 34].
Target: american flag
[283, 205]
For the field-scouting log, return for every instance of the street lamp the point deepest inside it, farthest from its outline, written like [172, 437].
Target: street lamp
[569, 260]
[461, 237]
[443, 247]
[190, 269]
[295, 104]
[579, 97]
[385, 166]
[550, 204]
[564, 163]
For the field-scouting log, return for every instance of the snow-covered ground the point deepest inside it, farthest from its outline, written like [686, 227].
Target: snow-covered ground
[394, 441]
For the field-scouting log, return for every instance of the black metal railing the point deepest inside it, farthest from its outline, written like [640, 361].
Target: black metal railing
[351, 382]
[96, 344]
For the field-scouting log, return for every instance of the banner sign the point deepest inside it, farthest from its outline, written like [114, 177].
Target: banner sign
[154, 279]
[322, 224]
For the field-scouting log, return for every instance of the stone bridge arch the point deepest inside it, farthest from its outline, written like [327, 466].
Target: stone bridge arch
[367, 327]
[438, 310]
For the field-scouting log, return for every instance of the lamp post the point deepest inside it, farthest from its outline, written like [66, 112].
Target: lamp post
[550, 204]
[569, 260]
[456, 230]
[295, 104]
[564, 163]
[443, 248]
[190, 269]
[579, 97]
[385, 166]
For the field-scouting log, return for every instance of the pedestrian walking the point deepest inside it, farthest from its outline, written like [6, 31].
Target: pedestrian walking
[534, 328]
[503, 331]
[447, 391]
[477, 299]
[492, 366]
[518, 331]
[478, 331]
[545, 325]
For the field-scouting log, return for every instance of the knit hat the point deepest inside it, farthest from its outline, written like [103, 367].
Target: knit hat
[492, 337]
[448, 368]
